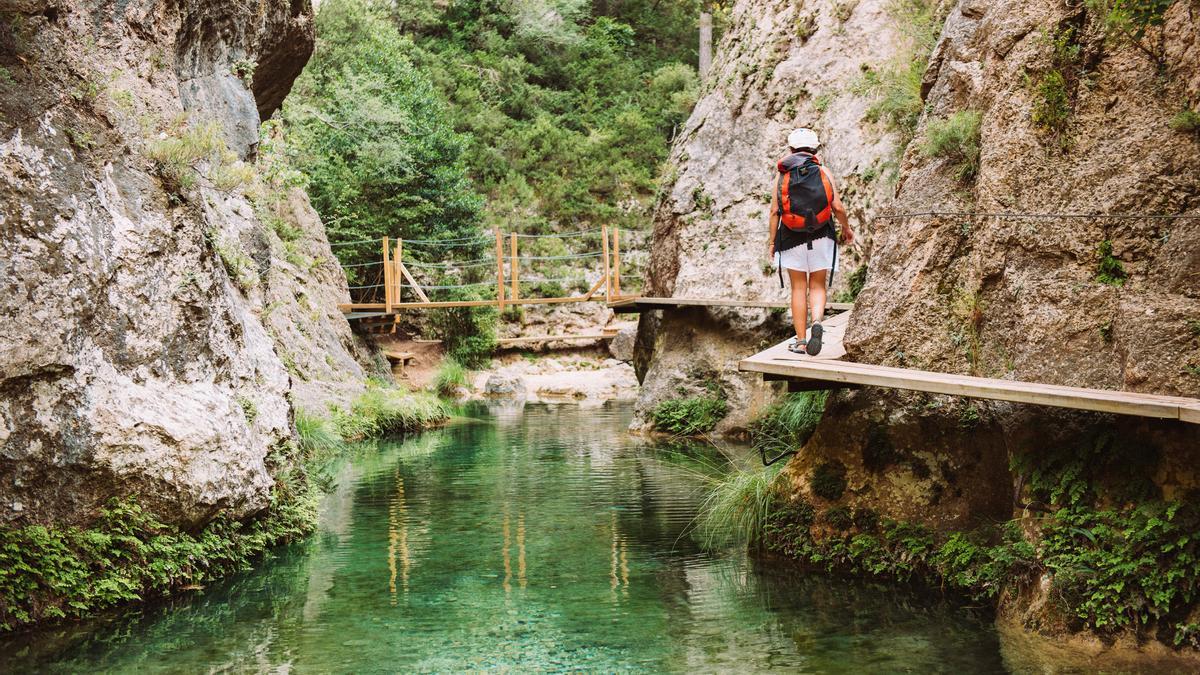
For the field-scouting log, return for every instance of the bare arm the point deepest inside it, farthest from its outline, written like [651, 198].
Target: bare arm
[774, 220]
[839, 212]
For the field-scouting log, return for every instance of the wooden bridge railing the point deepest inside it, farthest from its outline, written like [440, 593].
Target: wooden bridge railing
[396, 277]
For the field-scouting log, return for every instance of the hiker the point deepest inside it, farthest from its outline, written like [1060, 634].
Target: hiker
[806, 202]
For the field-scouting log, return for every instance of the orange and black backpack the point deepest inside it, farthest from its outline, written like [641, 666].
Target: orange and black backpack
[805, 206]
[805, 194]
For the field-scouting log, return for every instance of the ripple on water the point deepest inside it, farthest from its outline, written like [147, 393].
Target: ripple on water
[537, 539]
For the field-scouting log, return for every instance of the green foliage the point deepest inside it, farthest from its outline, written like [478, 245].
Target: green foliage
[127, 554]
[249, 409]
[828, 480]
[318, 436]
[1186, 121]
[1054, 88]
[243, 69]
[469, 333]
[187, 153]
[787, 425]
[238, 265]
[566, 117]
[450, 376]
[382, 412]
[1117, 555]
[737, 506]
[689, 416]
[957, 139]
[854, 285]
[1128, 21]
[372, 135]
[1109, 270]
[896, 88]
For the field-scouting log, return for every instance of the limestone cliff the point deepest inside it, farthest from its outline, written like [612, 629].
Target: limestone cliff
[163, 305]
[778, 66]
[1071, 114]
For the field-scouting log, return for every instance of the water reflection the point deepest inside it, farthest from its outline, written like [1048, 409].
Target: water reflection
[596, 571]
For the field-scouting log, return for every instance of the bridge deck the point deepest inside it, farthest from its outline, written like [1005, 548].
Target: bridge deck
[642, 304]
[777, 362]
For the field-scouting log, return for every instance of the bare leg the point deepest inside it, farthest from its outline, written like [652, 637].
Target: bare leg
[799, 282]
[816, 293]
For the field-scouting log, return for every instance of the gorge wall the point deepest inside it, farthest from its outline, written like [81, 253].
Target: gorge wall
[1069, 120]
[779, 65]
[169, 297]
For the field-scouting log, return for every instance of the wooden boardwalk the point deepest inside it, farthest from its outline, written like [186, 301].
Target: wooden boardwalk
[643, 304]
[828, 370]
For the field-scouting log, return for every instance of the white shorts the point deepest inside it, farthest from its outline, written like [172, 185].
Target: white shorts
[801, 259]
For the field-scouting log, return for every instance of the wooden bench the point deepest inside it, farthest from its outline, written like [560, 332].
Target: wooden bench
[401, 359]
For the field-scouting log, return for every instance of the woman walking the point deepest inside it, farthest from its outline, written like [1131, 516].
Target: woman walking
[806, 202]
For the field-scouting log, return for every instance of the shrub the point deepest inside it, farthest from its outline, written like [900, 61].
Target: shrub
[689, 416]
[956, 138]
[451, 376]
[1109, 270]
[854, 285]
[1054, 88]
[1186, 121]
[737, 506]
[469, 333]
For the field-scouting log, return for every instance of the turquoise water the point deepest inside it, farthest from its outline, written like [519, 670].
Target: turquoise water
[542, 538]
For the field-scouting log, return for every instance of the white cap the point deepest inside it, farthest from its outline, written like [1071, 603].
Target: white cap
[803, 138]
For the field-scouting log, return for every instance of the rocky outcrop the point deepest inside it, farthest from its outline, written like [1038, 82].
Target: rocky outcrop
[779, 65]
[1022, 298]
[154, 327]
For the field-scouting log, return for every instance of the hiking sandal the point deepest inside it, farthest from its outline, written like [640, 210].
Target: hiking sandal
[798, 346]
[814, 340]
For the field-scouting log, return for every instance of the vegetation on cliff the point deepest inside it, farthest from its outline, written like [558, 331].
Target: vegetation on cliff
[1118, 556]
[128, 554]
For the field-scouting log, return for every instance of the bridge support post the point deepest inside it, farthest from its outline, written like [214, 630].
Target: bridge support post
[617, 261]
[388, 274]
[607, 267]
[499, 268]
[514, 265]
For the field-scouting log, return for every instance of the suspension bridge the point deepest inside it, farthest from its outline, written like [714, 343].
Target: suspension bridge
[400, 281]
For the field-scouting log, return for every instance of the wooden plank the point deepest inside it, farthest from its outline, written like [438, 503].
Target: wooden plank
[369, 306]
[552, 338]
[616, 261]
[515, 264]
[1190, 413]
[1130, 403]
[499, 268]
[387, 276]
[641, 303]
[413, 282]
[607, 278]
[592, 291]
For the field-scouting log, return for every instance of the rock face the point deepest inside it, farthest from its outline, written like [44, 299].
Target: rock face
[154, 328]
[1070, 123]
[1023, 298]
[780, 65]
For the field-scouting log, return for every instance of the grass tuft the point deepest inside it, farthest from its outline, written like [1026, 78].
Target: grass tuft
[956, 138]
[737, 507]
[451, 376]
